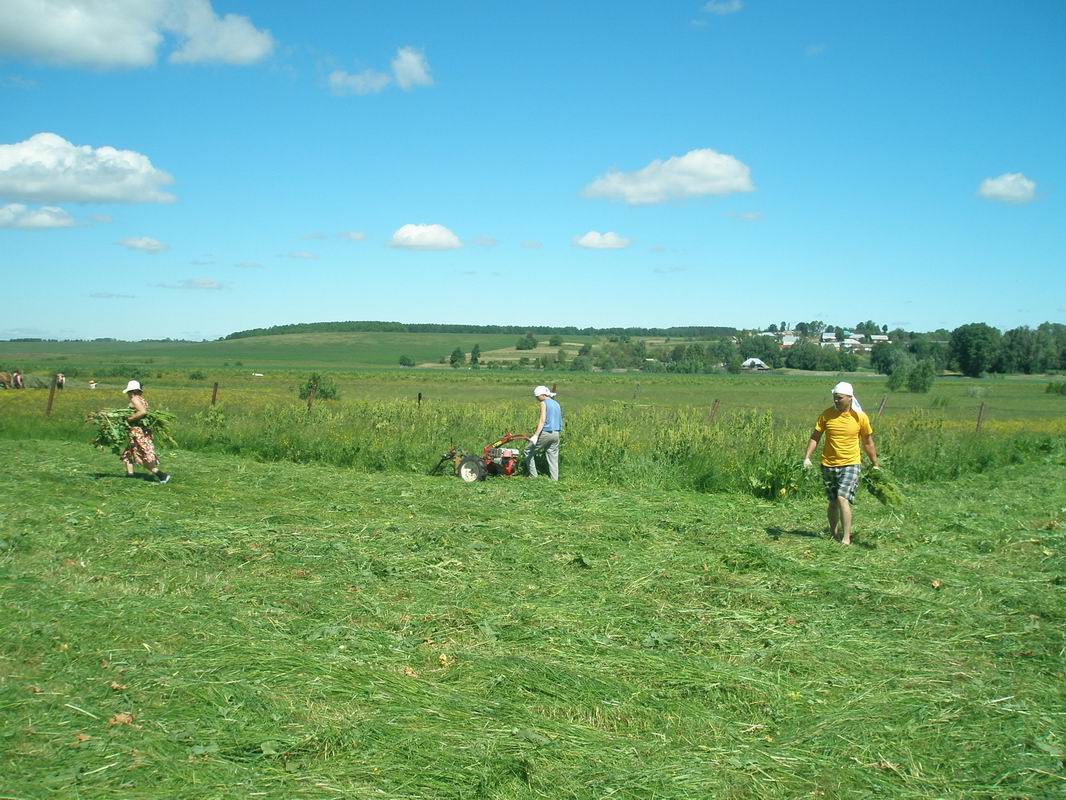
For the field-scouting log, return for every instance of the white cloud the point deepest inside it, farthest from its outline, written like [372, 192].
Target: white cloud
[352, 236]
[17, 82]
[100, 219]
[126, 33]
[248, 265]
[231, 39]
[112, 296]
[723, 7]
[195, 284]
[316, 236]
[144, 243]
[484, 241]
[601, 241]
[425, 237]
[366, 82]
[1011, 187]
[16, 215]
[746, 216]
[302, 255]
[697, 173]
[48, 168]
[411, 69]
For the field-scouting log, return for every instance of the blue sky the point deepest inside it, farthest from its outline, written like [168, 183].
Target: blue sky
[187, 168]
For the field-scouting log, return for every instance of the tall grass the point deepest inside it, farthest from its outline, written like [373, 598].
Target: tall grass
[623, 444]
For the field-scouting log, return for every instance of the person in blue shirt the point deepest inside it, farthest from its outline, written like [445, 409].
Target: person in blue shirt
[546, 437]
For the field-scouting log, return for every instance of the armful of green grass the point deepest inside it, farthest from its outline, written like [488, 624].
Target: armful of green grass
[112, 429]
[881, 486]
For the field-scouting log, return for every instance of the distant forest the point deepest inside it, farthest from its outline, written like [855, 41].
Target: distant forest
[689, 332]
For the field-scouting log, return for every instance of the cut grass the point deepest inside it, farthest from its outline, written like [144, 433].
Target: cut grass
[287, 631]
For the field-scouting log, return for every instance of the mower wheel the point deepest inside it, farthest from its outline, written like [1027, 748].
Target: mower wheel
[470, 469]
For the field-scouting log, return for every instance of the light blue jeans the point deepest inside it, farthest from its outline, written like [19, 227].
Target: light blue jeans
[547, 443]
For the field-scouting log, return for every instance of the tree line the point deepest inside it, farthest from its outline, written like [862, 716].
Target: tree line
[691, 331]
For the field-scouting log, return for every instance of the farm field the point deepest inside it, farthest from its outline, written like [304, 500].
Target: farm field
[344, 351]
[286, 630]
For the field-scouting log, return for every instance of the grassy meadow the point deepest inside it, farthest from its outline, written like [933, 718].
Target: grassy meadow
[303, 612]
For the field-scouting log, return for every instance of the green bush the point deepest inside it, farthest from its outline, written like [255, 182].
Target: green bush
[197, 376]
[325, 387]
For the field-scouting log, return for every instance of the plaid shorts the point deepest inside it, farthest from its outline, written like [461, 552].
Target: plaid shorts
[841, 481]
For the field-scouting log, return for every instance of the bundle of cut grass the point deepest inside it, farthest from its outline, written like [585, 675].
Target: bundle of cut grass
[112, 428]
[882, 487]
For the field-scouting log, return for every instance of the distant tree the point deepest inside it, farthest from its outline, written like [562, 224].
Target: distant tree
[849, 362]
[458, 358]
[475, 355]
[406, 361]
[828, 359]
[783, 327]
[773, 327]
[527, 342]
[560, 357]
[921, 377]
[973, 347]
[802, 328]
[586, 349]
[803, 355]
[881, 357]
[581, 364]
[555, 341]
[197, 376]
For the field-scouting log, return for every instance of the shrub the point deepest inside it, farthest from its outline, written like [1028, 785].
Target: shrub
[1056, 388]
[325, 387]
[406, 361]
[197, 376]
[921, 377]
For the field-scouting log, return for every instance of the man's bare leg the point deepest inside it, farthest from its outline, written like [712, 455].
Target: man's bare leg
[845, 519]
[834, 517]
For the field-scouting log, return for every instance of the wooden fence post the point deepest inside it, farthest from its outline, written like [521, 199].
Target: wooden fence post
[214, 393]
[553, 388]
[419, 399]
[311, 396]
[714, 409]
[980, 416]
[881, 407]
[51, 397]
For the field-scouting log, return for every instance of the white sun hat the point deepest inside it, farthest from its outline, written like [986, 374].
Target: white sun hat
[133, 386]
[846, 388]
[543, 390]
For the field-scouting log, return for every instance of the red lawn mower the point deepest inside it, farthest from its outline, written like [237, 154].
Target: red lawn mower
[495, 459]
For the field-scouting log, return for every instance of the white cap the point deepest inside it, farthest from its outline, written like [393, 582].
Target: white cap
[133, 386]
[543, 390]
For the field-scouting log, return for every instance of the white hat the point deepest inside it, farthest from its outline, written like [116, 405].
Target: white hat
[846, 388]
[133, 386]
[543, 390]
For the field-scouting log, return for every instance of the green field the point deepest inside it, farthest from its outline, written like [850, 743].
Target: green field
[303, 612]
[342, 351]
[300, 631]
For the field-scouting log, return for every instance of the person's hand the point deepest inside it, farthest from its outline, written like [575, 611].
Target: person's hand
[807, 463]
[533, 439]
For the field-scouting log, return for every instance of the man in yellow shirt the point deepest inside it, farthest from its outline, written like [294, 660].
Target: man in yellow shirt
[845, 426]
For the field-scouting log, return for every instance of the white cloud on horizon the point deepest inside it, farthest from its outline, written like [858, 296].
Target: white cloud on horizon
[369, 81]
[601, 241]
[695, 174]
[126, 34]
[409, 69]
[484, 241]
[145, 244]
[195, 284]
[302, 255]
[48, 168]
[16, 215]
[352, 236]
[723, 7]
[425, 237]
[1011, 187]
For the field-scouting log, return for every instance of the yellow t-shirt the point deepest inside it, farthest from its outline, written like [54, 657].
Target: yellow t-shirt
[842, 430]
